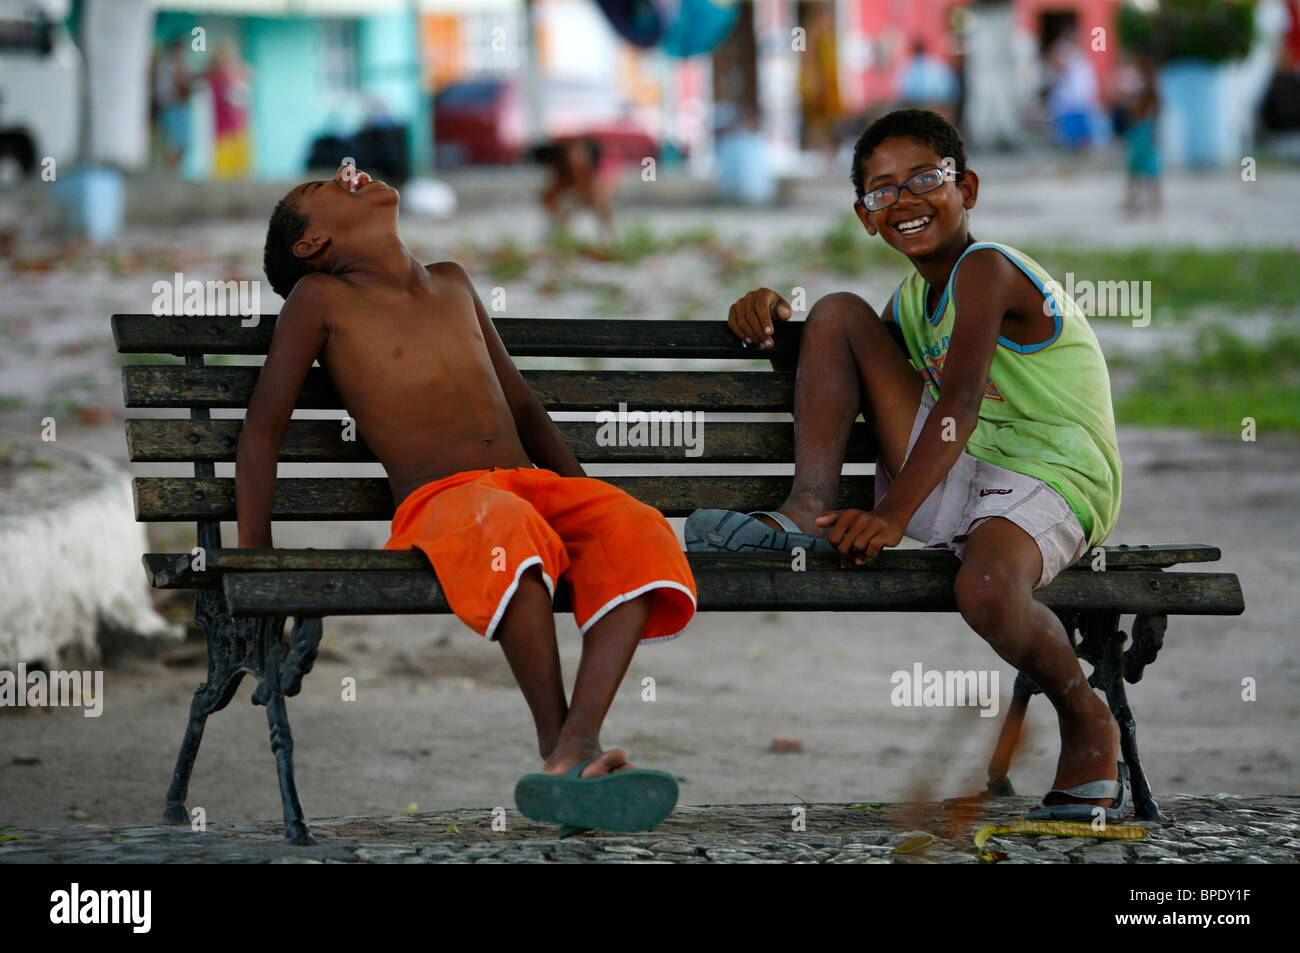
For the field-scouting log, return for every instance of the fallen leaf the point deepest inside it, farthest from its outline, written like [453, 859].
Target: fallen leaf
[912, 844]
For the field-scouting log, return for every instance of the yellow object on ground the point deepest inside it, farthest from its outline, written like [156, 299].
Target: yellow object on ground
[1054, 829]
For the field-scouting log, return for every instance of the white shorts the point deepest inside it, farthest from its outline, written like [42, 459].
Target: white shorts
[974, 491]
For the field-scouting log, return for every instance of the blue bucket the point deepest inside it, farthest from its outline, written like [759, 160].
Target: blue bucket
[91, 202]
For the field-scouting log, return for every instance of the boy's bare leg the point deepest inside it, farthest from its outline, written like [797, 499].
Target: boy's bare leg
[526, 633]
[848, 362]
[597, 195]
[607, 650]
[553, 201]
[1000, 569]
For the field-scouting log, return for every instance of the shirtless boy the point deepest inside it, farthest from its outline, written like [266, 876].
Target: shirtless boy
[420, 368]
[994, 422]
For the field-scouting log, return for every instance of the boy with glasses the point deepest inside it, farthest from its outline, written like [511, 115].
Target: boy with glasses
[994, 422]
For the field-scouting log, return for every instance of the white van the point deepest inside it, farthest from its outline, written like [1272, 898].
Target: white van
[40, 88]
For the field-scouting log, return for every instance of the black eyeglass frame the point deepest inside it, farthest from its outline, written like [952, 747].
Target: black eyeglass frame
[948, 175]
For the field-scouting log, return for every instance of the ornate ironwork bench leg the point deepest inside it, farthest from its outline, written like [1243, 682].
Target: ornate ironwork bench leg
[1148, 639]
[224, 676]
[237, 647]
[271, 694]
[1108, 674]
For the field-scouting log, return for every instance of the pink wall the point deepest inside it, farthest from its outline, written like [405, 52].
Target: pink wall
[1092, 14]
[888, 27]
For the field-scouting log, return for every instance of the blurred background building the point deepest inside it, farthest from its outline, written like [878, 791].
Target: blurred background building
[266, 88]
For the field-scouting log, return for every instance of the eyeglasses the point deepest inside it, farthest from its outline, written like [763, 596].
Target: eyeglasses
[919, 184]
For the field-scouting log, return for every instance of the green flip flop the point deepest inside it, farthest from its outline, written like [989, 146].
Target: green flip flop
[634, 799]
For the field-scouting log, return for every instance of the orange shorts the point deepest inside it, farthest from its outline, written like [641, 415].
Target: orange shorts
[482, 528]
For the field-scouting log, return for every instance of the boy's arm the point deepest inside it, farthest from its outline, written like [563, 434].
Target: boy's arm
[983, 290]
[299, 335]
[537, 432]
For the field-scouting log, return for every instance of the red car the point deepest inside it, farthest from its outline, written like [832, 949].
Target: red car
[484, 121]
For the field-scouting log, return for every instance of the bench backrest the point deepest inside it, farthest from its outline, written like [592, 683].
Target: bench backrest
[747, 431]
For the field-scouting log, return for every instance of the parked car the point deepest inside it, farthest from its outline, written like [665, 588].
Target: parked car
[483, 120]
[40, 90]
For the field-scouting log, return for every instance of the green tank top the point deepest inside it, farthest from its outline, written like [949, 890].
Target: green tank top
[1047, 408]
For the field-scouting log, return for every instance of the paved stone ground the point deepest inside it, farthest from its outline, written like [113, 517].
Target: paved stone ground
[1218, 829]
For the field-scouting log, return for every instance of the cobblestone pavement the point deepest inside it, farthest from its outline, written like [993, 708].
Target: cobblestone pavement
[1213, 829]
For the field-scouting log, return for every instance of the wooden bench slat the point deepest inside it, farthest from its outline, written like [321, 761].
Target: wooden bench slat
[174, 570]
[161, 440]
[523, 337]
[163, 385]
[1145, 593]
[182, 499]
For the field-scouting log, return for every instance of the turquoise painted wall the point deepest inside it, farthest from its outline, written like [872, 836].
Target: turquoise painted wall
[290, 105]
[384, 60]
[389, 72]
[289, 108]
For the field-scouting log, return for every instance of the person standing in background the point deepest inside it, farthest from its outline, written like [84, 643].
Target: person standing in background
[995, 89]
[229, 81]
[928, 82]
[1072, 100]
[819, 82]
[1143, 155]
[171, 102]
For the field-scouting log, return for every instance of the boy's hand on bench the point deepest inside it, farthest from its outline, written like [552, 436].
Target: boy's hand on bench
[862, 534]
[753, 317]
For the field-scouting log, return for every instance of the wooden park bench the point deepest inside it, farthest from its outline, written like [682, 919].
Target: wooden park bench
[244, 597]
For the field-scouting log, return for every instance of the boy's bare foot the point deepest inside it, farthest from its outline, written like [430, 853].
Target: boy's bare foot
[566, 756]
[1089, 750]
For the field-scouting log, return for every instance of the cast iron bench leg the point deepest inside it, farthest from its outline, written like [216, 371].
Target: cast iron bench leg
[271, 694]
[1108, 675]
[213, 695]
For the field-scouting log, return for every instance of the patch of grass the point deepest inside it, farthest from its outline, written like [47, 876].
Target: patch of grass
[507, 260]
[1225, 381]
[699, 235]
[563, 242]
[610, 299]
[846, 249]
[634, 243]
[1183, 278]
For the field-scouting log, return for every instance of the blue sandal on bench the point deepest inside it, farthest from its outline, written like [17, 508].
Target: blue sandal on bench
[727, 531]
[1119, 791]
[634, 799]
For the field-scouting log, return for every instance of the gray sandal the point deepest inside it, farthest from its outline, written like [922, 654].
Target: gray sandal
[1120, 792]
[727, 531]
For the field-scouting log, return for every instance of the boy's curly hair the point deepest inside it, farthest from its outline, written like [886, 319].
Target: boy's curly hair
[283, 268]
[926, 127]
